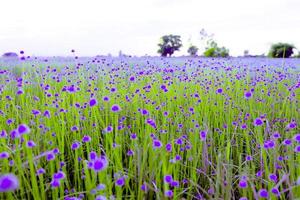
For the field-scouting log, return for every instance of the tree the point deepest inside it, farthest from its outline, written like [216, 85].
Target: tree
[213, 50]
[281, 50]
[169, 44]
[192, 50]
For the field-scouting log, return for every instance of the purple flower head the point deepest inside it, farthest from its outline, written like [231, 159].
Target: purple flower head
[93, 102]
[175, 184]
[157, 144]
[115, 108]
[4, 155]
[273, 177]
[144, 187]
[120, 182]
[287, 142]
[55, 183]
[59, 175]
[133, 136]
[100, 197]
[168, 147]
[258, 122]
[40, 171]
[99, 164]
[263, 193]
[86, 138]
[275, 191]
[106, 98]
[297, 138]
[30, 144]
[169, 193]
[168, 178]
[243, 183]
[248, 95]
[219, 91]
[151, 122]
[297, 149]
[23, 129]
[75, 145]
[144, 112]
[292, 125]
[93, 155]
[50, 156]
[101, 186]
[8, 182]
[203, 135]
[3, 134]
[132, 78]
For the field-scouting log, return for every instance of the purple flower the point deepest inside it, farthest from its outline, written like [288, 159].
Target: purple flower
[55, 183]
[273, 177]
[30, 144]
[157, 144]
[263, 193]
[219, 91]
[297, 138]
[258, 122]
[8, 182]
[175, 184]
[86, 138]
[106, 98]
[292, 125]
[297, 149]
[4, 155]
[248, 95]
[93, 102]
[168, 193]
[243, 183]
[151, 122]
[100, 197]
[168, 178]
[132, 78]
[59, 175]
[99, 163]
[203, 135]
[115, 108]
[23, 129]
[41, 171]
[144, 187]
[75, 145]
[275, 191]
[287, 142]
[120, 182]
[50, 156]
[168, 147]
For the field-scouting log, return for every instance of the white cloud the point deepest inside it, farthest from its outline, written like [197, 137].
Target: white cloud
[45, 27]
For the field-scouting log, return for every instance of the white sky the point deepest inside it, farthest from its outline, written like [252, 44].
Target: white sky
[93, 27]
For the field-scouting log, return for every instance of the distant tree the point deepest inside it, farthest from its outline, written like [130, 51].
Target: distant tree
[281, 50]
[213, 50]
[246, 53]
[169, 44]
[192, 50]
[10, 55]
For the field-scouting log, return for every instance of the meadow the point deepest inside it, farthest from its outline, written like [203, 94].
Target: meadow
[149, 128]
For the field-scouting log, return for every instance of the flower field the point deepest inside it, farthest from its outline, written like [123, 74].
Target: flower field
[149, 128]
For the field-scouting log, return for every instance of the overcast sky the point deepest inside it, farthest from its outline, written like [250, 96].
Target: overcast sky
[93, 27]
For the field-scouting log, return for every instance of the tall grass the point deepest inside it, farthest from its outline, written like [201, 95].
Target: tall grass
[200, 111]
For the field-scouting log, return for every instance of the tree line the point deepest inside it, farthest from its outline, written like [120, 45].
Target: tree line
[170, 43]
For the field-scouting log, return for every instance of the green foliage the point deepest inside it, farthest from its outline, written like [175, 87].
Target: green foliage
[169, 44]
[281, 50]
[213, 50]
[192, 50]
